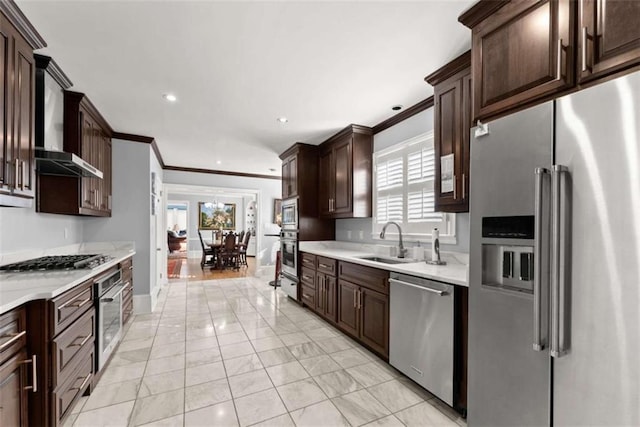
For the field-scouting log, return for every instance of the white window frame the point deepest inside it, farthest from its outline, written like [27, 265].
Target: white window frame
[423, 229]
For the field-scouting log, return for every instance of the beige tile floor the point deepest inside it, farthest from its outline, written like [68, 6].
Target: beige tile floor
[235, 352]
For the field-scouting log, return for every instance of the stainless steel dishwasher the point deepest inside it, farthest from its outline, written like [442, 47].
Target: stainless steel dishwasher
[421, 332]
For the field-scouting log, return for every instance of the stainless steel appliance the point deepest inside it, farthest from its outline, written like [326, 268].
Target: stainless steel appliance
[421, 332]
[108, 301]
[289, 260]
[58, 262]
[290, 214]
[554, 324]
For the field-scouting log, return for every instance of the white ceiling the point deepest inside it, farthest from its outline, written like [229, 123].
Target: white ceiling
[237, 66]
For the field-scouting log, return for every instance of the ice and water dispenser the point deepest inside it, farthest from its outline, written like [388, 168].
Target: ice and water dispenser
[507, 252]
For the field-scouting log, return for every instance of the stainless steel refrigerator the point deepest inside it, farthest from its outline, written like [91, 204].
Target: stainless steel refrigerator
[554, 279]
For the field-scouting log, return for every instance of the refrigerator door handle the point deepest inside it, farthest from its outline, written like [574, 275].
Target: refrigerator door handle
[560, 206]
[540, 262]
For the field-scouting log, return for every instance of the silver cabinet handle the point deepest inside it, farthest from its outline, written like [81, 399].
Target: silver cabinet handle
[455, 188]
[34, 373]
[84, 383]
[422, 288]
[14, 338]
[585, 37]
[558, 260]
[464, 187]
[540, 260]
[84, 341]
[16, 173]
[74, 303]
[559, 60]
[355, 298]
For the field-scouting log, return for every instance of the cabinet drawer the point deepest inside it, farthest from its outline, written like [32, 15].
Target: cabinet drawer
[308, 277]
[308, 296]
[66, 395]
[74, 340]
[308, 260]
[127, 310]
[70, 305]
[127, 269]
[13, 335]
[369, 277]
[326, 265]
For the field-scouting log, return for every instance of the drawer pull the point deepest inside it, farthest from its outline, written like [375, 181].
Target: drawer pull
[84, 383]
[34, 373]
[74, 303]
[325, 266]
[417, 370]
[84, 341]
[14, 338]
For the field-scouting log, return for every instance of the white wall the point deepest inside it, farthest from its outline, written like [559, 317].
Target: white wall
[269, 189]
[409, 128]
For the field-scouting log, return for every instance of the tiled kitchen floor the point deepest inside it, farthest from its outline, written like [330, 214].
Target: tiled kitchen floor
[235, 352]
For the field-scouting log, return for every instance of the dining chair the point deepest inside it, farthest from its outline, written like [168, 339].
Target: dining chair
[242, 251]
[240, 237]
[206, 252]
[229, 252]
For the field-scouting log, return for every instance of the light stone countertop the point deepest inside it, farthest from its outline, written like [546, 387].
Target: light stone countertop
[454, 272]
[19, 288]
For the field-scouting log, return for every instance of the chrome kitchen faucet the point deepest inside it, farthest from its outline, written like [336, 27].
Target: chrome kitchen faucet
[401, 250]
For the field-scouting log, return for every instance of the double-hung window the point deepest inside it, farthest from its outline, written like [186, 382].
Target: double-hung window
[404, 177]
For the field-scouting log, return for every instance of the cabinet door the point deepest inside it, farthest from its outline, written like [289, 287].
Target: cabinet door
[107, 173]
[23, 116]
[465, 150]
[86, 146]
[609, 37]
[13, 396]
[320, 293]
[5, 109]
[521, 53]
[326, 183]
[343, 175]
[374, 323]
[448, 141]
[330, 298]
[293, 176]
[285, 179]
[348, 314]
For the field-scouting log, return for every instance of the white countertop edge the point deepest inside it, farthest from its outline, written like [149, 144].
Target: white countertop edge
[455, 274]
[48, 294]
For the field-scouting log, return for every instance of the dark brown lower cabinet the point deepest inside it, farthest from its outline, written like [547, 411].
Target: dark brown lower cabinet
[326, 296]
[13, 392]
[364, 313]
[348, 314]
[374, 315]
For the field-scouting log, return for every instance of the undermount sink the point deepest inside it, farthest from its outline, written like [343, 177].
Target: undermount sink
[388, 260]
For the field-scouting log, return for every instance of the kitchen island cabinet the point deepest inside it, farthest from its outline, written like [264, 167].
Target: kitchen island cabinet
[17, 372]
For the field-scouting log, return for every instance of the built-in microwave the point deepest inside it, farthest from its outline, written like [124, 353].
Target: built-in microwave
[290, 214]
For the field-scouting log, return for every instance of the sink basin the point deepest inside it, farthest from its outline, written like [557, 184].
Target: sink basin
[388, 260]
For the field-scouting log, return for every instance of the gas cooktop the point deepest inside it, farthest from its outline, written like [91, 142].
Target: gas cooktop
[58, 262]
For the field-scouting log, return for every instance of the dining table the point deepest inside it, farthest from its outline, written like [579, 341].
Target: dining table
[215, 245]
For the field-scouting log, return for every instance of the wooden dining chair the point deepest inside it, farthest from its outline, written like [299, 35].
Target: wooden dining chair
[229, 252]
[206, 252]
[242, 251]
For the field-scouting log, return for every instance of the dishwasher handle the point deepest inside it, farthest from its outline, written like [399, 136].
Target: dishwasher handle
[423, 288]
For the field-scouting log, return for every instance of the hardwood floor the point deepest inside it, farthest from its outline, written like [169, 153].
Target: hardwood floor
[191, 270]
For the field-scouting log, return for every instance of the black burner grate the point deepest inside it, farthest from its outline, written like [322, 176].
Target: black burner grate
[57, 262]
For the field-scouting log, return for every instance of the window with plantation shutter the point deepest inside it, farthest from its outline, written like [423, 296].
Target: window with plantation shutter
[404, 177]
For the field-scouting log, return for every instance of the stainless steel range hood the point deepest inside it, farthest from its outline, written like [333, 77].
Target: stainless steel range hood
[62, 163]
[51, 159]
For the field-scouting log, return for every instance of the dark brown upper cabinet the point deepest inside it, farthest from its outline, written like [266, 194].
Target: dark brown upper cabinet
[18, 39]
[88, 135]
[608, 37]
[345, 168]
[452, 124]
[522, 52]
[300, 180]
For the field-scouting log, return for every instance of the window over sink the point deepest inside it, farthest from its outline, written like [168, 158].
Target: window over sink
[403, 181]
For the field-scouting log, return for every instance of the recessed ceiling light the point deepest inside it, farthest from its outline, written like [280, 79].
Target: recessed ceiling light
[282, 119]
[272, 169]
[219, 162]
[170, 97]
[396, 107]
